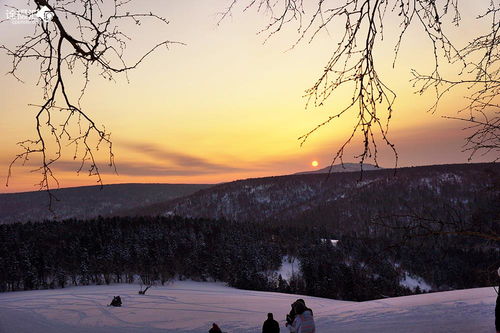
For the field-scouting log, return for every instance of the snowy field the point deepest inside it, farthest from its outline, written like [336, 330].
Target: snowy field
[192, 306]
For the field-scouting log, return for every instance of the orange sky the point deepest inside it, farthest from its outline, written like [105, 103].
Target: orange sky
[226, 106]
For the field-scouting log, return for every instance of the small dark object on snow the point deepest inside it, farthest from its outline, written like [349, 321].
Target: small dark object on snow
[215, 329]
[143, 292]
[117, 301]
[270, 325]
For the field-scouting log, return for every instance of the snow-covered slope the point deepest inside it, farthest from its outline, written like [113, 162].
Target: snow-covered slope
[88, 201]
[335, 200]
[192, 307]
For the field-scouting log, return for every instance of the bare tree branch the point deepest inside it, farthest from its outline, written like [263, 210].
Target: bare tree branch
[81, 35]
[352, 63]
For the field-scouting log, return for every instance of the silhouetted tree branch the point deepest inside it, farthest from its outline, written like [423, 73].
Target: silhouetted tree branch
[83, 35]
[353, 65]
[480, 74]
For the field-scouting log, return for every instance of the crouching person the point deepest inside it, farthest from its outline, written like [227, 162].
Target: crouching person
[117, 301]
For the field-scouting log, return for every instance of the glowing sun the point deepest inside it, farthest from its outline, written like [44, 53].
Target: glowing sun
[314, 163]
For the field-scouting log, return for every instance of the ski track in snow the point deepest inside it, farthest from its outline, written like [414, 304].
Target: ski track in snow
[188, 307]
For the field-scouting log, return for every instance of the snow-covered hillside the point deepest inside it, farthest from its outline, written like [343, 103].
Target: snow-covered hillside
[106, 200]
[192, 306]
[335, 200]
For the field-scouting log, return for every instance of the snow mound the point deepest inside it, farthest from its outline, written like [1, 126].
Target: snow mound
[188, 306]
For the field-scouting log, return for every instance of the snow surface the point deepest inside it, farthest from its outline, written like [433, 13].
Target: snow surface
[188, 306]
[333, 241]
[289, 266]
[413, 282]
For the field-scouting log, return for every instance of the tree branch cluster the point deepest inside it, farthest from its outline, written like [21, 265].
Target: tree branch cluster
[83, 36]
[352, 63]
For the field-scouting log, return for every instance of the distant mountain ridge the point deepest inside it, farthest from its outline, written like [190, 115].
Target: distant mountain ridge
[346, 167]
[88, 201]
[343, 200]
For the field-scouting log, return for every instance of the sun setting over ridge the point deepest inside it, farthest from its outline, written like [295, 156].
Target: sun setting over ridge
[211, 217]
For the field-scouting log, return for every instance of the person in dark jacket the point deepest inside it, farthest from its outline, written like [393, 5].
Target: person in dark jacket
[497, 312]
[497, 307]
[215, 329]
[291, 316]
[270, 325]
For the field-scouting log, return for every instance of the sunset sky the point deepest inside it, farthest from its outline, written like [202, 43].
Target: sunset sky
[226, 106]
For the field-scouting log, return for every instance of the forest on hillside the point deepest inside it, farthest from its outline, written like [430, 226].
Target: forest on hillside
[155, 250]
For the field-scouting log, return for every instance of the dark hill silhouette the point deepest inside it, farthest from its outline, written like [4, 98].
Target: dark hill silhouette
[346, 167]
[343, 200]
[88, 201]
[340, 199]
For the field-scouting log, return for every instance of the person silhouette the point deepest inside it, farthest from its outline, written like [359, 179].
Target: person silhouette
[303, 321]
[117, 301]
[215, 329]
[270, 325]
[497, 307]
